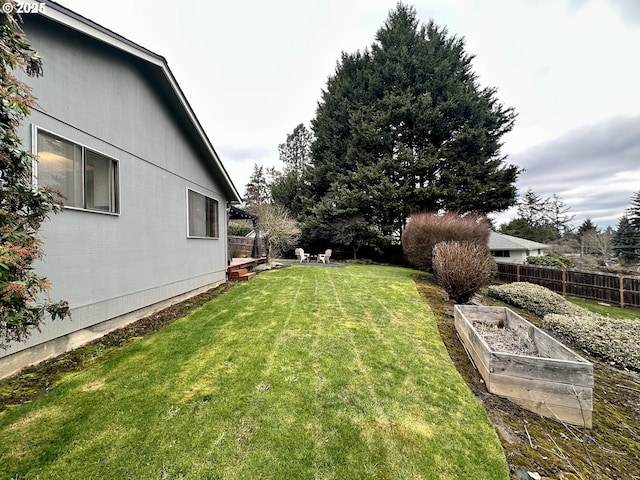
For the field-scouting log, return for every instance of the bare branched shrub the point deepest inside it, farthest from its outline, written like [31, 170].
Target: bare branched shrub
[425, 230]
[461, 268]
[276, 227]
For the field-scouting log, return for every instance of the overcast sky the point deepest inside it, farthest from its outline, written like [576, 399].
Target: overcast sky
[253, 70]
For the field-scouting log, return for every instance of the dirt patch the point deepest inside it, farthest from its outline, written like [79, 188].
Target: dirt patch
[608, 451]
[502, 339]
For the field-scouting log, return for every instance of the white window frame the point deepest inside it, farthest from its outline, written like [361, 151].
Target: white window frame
[84, 148]
[188, 215]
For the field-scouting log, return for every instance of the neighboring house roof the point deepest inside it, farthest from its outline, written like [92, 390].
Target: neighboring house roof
[500, 241]
[158, 70]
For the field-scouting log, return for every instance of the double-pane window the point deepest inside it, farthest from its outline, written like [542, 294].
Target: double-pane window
[78, 176]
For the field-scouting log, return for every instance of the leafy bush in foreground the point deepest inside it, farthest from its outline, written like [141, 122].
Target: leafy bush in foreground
[461, 268]
[613, 339]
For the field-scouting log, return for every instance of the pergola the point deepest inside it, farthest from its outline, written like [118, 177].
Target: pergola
[236, 213]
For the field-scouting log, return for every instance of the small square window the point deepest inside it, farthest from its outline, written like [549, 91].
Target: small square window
[203, 215]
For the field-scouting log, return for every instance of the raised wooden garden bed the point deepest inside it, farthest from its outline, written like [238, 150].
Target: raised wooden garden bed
[519, 361]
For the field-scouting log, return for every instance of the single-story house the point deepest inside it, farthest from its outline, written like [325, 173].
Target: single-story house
[146, 196]
[510, 249]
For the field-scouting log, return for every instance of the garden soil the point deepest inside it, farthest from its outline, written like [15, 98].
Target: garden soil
[535, 447]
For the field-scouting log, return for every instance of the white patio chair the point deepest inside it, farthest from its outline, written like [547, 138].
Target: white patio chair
[324, 256]
[300, 255]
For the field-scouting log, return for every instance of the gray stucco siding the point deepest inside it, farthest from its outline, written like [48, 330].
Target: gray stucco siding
[108, 265]
[108, 94]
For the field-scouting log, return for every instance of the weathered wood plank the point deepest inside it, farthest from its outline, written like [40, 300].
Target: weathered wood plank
[546, 344]
[482, 362]
[539, 390]
[484, 314]
[477, 348]
[573, 416]
[559, 371]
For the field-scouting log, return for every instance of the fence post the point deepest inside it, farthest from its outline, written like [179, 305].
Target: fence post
[517, 272]
[621, 291]
[564, 282]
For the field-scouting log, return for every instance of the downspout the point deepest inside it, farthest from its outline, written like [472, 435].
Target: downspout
[227, 234]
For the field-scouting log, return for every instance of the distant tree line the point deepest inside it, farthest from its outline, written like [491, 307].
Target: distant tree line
[548, 221]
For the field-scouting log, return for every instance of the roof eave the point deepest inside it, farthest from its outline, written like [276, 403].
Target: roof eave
[64, 16]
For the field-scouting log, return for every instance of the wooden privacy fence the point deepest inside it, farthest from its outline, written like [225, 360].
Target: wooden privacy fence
[240, 246]
[622, 290]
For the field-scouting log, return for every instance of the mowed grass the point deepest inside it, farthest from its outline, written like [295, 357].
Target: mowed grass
[302, 373]
[606, 310]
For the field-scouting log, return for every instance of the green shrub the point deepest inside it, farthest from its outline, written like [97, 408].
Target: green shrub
[551, 260]
[461, 268]
[612, 339]
[425, 230]
[239, 229]
[533, 298]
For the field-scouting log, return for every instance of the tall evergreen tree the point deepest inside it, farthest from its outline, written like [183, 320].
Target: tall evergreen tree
[405, 127]
[287, 188]
[531, 207]
[558, 214]
[295, 153]
[539, 219]
[586, 226]
[257, 189]
[626, 242]
[633, 212]
[587, 233]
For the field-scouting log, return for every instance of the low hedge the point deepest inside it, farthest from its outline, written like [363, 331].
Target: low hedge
[615, 340]
[551, 260]
[533, 298]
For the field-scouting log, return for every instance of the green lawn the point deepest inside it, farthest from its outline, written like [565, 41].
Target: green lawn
[302, 373]
[606, 310]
